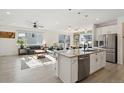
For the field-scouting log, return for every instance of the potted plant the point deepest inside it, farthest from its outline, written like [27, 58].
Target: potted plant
[21, 43]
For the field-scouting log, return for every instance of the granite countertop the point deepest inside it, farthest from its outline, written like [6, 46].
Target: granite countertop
[78, 52]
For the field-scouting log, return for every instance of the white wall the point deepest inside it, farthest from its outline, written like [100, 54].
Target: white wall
[50, 37]
[8, 46]
[120, 39]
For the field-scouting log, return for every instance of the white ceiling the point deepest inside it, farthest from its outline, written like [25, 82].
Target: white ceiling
[57, 19]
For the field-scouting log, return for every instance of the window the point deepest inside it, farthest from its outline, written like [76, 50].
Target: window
[64, 40]
[61, 38]
[86, 38]
[31, 38]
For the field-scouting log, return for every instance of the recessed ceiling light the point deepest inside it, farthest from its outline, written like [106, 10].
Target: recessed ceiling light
[57, 22]
[97, 19]
[7, 13]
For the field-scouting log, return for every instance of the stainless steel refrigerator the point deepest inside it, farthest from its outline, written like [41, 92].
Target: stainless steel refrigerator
[110, 44]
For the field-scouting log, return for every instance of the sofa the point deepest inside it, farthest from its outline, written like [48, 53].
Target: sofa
[31, 49]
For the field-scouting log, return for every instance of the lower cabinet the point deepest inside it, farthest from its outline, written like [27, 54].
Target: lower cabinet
[102, 59]
[97, 61]
[93, 63]
[74, 69]
[68, 69]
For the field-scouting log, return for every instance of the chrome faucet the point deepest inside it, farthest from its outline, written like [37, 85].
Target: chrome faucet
[86, 45]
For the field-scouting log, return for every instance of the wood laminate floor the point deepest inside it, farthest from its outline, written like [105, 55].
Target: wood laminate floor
[10, 72]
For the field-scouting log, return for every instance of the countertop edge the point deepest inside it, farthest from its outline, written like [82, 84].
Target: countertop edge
[76, 55]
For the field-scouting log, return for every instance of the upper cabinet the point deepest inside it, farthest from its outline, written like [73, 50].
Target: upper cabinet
[105, 30]
[110, 29]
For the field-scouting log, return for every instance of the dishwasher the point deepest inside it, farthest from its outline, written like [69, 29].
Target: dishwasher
[83, 67]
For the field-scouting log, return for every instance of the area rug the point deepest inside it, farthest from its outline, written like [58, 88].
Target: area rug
[32, 62]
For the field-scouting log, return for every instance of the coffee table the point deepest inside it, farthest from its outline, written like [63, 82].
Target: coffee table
[40, 53]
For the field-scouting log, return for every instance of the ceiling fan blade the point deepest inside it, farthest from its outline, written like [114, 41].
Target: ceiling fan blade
[30, 22]
[41, 26]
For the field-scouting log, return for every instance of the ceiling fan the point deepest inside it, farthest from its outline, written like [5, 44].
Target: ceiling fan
[35, 24]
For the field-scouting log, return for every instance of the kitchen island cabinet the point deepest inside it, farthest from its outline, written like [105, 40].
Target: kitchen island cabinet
[68, 67]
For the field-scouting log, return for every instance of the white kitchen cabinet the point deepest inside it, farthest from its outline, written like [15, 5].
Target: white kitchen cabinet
[99, 33]
[98, 30]
[68, 69]
[93, 64]
[97, 61]
[74, 70]
[65, 69]
[105, 30]
[102, 59]
[68, 66]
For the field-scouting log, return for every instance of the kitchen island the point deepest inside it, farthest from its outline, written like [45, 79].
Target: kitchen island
[77, 64]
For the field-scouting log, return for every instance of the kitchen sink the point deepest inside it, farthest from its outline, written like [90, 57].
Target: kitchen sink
[88, 50]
